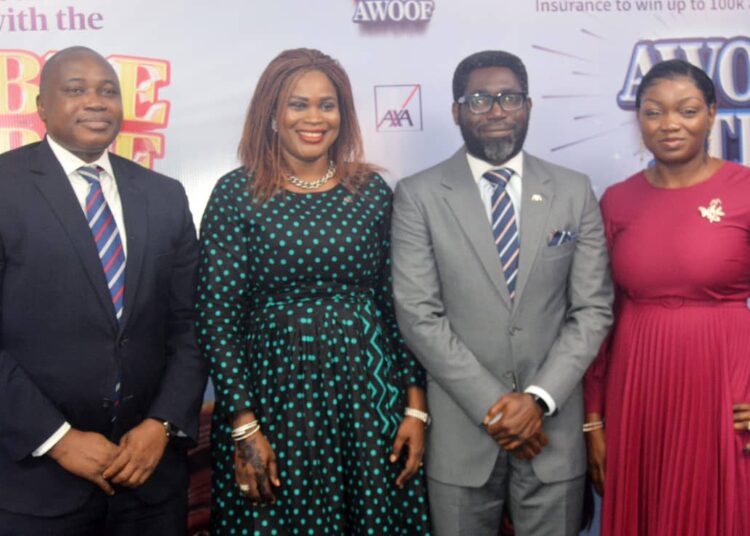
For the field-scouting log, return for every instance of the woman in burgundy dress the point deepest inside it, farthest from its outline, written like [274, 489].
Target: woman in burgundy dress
[672, 383]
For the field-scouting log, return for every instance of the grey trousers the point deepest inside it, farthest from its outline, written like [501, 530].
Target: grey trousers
[537, 509]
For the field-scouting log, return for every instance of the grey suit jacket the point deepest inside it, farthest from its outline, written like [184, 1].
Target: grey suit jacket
[454, 310]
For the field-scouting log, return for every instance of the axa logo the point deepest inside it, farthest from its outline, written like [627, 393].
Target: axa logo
[385, 11]
[398, 107]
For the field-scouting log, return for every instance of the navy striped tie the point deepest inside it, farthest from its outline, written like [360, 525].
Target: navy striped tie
[504, 226]
[107, 237]
[111, 254]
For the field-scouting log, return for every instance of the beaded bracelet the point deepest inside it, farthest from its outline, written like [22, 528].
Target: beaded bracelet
[418, 414]
[592, 426]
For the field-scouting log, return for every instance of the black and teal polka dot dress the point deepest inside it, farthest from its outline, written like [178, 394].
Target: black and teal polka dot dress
[297, 322]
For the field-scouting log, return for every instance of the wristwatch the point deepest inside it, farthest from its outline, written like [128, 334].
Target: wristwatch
[541, 403]
[169, 430]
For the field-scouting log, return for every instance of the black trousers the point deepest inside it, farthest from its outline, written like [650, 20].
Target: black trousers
[123, 514]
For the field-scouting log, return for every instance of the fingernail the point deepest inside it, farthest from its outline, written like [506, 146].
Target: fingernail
[392, 458]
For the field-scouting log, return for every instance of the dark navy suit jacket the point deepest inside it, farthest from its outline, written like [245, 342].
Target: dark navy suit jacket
[60, 344]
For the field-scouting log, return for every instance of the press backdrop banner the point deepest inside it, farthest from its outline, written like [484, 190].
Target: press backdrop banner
[188, 70]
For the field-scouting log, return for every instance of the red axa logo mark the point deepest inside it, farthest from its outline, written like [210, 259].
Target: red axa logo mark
[396, 119]
[398, 107]
[145, 114]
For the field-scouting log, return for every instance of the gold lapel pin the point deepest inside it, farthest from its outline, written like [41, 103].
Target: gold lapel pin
[536, 198]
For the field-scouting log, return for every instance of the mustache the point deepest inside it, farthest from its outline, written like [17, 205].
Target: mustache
[499, 123]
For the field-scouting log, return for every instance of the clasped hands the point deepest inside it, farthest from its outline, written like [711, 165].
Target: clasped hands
[92, 456]
[519, 428]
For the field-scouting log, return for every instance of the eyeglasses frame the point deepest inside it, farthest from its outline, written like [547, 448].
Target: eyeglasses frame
[495, 99]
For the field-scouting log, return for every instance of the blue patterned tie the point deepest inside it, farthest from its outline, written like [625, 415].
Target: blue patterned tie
[107, 237]
[108, 244]
[504, 226]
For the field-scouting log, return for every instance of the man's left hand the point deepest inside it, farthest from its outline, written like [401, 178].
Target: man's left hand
[529, 450]
[140, 451]
[521, 420]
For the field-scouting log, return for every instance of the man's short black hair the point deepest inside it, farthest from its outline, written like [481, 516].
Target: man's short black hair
[488, 58]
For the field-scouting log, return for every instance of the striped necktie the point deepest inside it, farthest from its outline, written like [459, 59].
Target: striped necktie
[107, 237]
[504, 226]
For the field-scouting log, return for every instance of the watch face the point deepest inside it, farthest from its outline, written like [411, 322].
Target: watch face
[541, 403]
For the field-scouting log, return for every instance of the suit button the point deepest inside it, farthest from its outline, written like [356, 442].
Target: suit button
[513, 330]
[123, 342]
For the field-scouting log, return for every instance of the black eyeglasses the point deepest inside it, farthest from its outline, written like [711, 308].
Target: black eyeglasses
[481, 103]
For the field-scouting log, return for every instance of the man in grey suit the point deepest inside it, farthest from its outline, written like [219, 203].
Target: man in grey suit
[502, 290]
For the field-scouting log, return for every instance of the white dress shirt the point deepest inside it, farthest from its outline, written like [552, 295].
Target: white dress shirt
[70, 164]
[514, 188]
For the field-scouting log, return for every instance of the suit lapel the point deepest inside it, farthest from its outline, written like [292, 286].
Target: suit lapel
[55, 187]
[538, 193]
[462, 196]
[135, 214]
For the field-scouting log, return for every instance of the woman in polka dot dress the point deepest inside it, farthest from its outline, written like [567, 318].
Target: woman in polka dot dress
[312, 378]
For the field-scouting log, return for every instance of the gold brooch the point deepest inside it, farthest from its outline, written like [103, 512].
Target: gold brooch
[714, 212]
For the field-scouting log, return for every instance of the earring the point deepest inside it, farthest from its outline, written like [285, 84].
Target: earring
[273, 125]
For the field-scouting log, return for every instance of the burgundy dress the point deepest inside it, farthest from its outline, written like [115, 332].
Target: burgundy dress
[677, 359]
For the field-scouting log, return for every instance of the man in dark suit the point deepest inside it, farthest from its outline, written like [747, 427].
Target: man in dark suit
[101, 379]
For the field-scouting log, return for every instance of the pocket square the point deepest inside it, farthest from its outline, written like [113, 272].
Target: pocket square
[559, 237]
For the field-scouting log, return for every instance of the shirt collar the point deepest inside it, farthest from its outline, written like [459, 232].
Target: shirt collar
[70, 162]
[479, 167]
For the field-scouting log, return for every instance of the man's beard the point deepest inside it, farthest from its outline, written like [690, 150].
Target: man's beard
[498, 150]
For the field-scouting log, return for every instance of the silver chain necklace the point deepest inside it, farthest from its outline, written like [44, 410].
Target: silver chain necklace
[314, 185]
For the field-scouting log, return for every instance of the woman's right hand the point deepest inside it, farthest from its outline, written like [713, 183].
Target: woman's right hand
[596, 449]
[255, 466]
